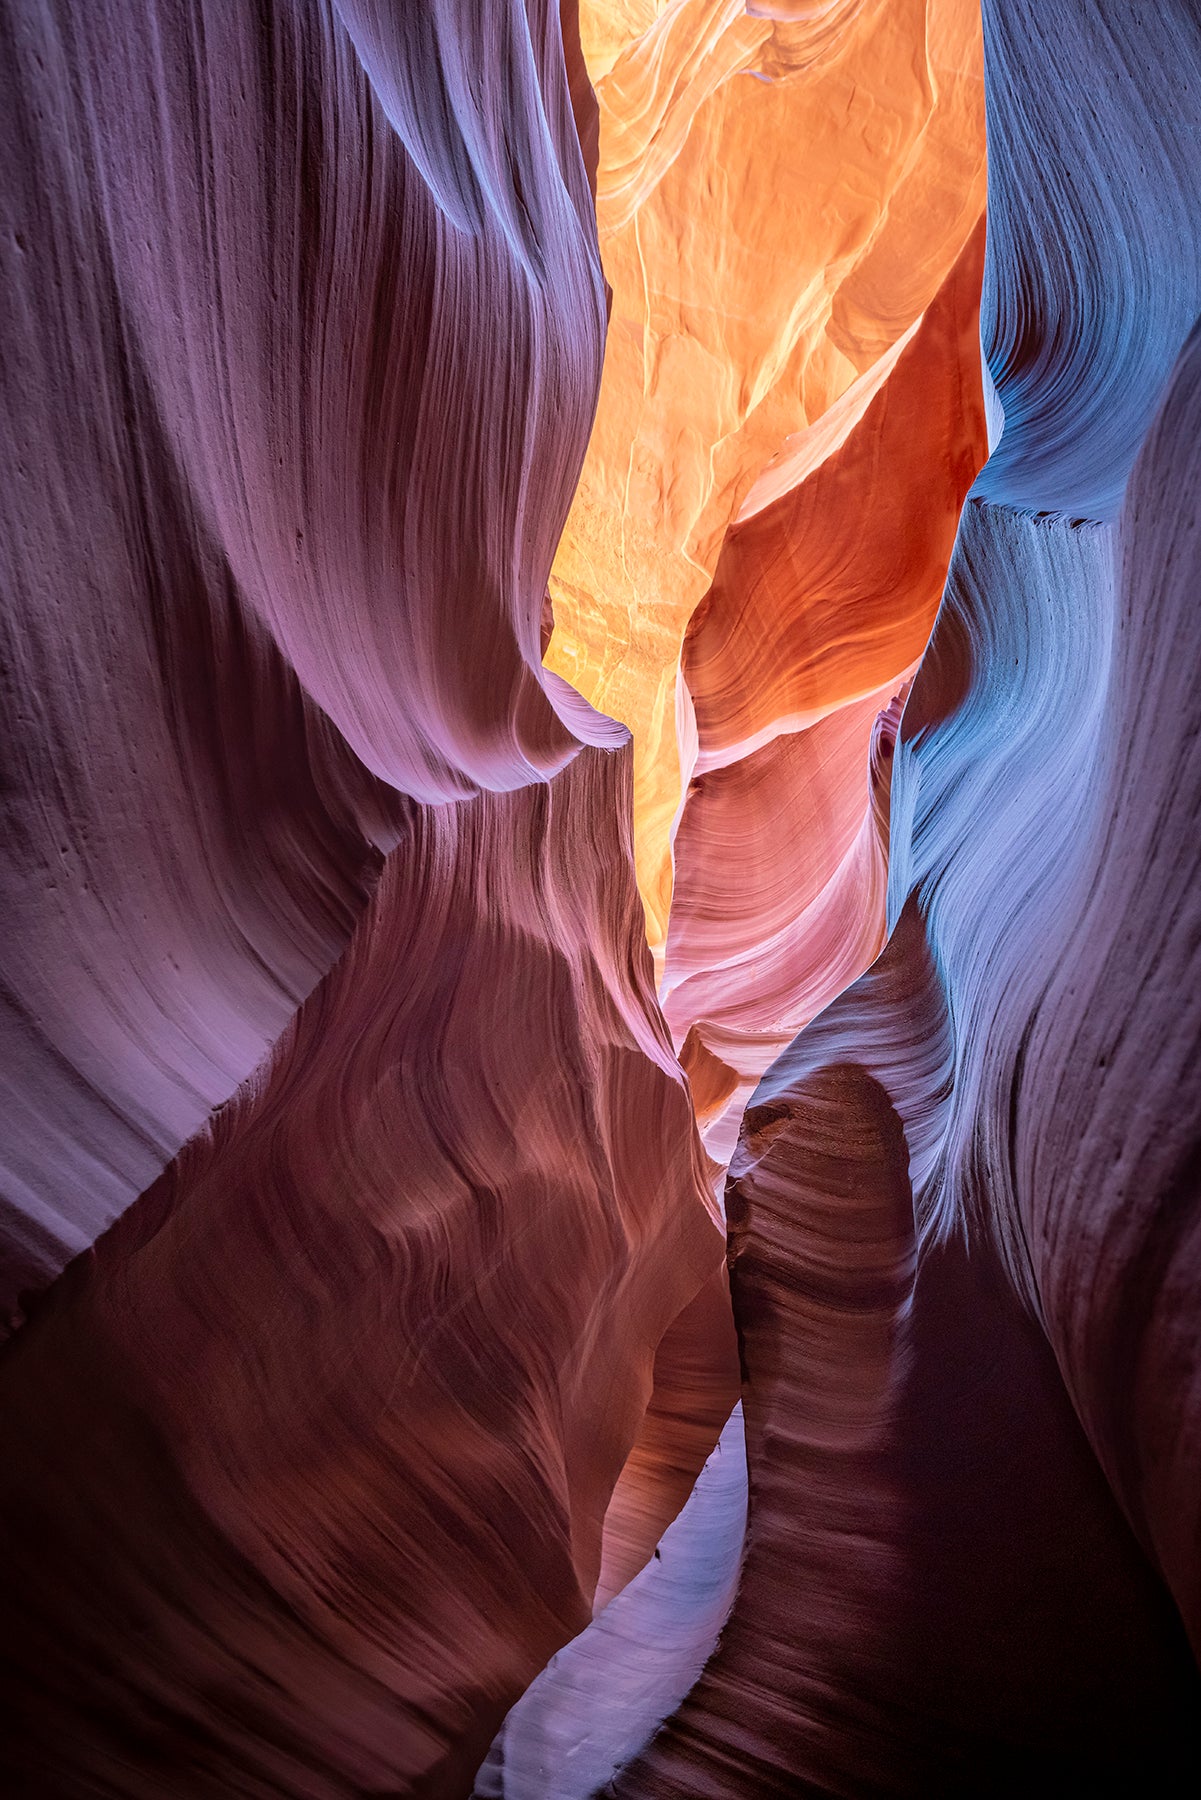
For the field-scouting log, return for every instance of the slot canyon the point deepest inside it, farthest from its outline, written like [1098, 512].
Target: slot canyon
[600, 1185]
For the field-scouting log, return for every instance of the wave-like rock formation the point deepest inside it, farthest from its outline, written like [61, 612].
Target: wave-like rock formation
[782, 191]
[320, 1452]
[368, 1404]
[813, 624]
[965, 1212]
[599, 1700]
[798, 657]
[353, 1383]
[275, 536]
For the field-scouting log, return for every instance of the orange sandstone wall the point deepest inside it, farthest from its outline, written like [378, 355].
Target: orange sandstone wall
[780, 197]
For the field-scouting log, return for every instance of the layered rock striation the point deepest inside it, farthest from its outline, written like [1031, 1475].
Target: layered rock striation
[310, 1456]
[964, 1208]
[782, 191]
[354, 1382]
[368, 1296]
[796, 665]
[275, 535]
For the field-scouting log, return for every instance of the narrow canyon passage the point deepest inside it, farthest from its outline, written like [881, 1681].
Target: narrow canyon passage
[599, 1191]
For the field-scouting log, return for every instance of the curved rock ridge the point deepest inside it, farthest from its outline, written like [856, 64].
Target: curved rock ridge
[354, 1382]
[965, 1211]
[780, 850]
[821, 596]
[321, 1451]
[273, 530]
[1094, 269]
[598, 1701]
[900, 1415]
[830, 592]
[387, 1444]
[861, 125]
[781, 870]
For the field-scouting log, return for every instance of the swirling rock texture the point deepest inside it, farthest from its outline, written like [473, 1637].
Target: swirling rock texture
[353, 1383]
[796, 660]
[308, 1461]
[782, 191]
[263, 567]
[966, 1226]
[825, 590]
[327, 986]
[598, 1701]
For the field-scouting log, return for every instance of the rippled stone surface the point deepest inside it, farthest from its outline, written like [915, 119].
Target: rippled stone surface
[369, 1399]
[319, 1453]
[782, 191]
[965, 1218]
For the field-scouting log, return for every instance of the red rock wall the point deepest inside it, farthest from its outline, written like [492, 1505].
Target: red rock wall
[820, 610]
[308, 1459]
[276, 534]
[326, 982]
[353, 1383]
[964, 1207]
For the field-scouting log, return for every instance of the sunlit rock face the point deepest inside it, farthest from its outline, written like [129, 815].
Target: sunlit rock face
[309, 1459]
[812, 456]
[965, 1218]
[782, 192]
[797, 659]
[386, 1442]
